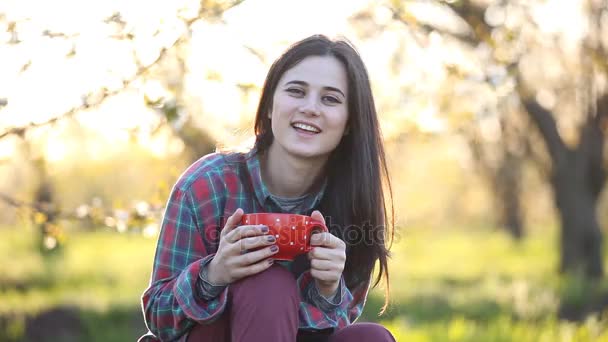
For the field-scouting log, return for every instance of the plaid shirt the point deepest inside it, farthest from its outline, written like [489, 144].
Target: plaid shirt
[202, 199]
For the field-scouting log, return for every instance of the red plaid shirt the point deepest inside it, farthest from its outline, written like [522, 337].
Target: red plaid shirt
[202, 199]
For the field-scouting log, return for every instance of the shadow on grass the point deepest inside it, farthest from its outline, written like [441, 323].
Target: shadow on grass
[429, 308]
[578, 299]
[426, 305]
[45, 282]
[71, 324]
[581, 297]
[434, 307]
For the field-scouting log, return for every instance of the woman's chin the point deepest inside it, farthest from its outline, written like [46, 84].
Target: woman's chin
[304, 153]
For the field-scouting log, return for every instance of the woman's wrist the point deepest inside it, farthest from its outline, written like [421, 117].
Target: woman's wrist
[207, 290]
[212, 275]
[328, 290]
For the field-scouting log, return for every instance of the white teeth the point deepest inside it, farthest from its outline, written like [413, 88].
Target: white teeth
[306, 127]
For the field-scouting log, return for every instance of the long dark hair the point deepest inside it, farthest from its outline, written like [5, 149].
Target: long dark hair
[354, 202]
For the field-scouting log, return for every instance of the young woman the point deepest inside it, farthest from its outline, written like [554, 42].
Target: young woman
[318, 152]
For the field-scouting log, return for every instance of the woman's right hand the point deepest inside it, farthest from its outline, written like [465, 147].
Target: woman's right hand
[238, 255]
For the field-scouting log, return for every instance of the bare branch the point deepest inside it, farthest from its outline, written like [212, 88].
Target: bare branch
[546, 124]
[39, 208]
[15, 202]
[258, 54]
[20, 131]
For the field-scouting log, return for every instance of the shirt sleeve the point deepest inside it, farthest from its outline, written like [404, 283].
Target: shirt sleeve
[205, 289]
[329, 314]
[327, 304]
[171, 306]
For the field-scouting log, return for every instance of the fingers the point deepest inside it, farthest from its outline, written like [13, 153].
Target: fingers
[316, 215]
[255, 256]
[323, 265]
[255, 242]
[324, 253]
[321, 253]
[232, 222]
[327, 240]
[325, 275]
[241, 232]
[252, 269]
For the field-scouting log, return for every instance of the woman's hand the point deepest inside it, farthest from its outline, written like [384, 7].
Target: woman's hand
[327, 259]
[235, 257]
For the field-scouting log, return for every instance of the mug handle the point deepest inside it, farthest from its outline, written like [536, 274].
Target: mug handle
[314, 226]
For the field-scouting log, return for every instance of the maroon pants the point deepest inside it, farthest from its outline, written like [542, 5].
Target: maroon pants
[264, 307]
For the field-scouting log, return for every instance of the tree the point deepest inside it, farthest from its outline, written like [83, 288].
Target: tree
[576, 169]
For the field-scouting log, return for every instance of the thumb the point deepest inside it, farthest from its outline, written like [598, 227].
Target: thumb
[232, 222]
[316, 215]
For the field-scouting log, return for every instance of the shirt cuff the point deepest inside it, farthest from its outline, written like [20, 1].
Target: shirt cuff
[323, 303]
[204, 289]
[185, 292]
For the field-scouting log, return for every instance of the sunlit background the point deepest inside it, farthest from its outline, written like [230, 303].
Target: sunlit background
[490, 111]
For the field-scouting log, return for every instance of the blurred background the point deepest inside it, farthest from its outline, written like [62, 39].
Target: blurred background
[494, 114]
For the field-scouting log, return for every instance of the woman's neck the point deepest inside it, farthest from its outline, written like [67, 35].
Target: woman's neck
[287, 176]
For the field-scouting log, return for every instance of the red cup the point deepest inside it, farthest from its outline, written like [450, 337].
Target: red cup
[292, 232]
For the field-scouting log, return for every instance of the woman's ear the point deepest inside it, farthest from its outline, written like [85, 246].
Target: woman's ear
[346, 131]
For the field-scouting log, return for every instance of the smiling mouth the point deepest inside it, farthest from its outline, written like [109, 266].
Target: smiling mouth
[304, 128]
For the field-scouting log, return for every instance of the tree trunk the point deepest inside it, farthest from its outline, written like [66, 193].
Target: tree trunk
[578, 177]
[505, 182]
[508, 187]
[581, 237]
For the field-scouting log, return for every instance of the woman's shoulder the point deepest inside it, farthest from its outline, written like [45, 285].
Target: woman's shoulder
[211, 168]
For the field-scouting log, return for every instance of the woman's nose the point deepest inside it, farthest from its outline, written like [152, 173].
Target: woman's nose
[310, 106]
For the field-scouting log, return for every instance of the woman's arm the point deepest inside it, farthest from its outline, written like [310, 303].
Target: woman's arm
[171, 304]
[315, 314]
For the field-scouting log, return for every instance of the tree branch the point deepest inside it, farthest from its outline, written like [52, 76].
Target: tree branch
[410, 20]
[15, 202]
[543, 119]
[546, 124]
[473, 15]
[217, 10]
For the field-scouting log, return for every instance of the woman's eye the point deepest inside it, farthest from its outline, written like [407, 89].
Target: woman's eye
[295, 91]
[332, 99]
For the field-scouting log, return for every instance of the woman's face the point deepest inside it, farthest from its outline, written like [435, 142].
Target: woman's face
[310, 108]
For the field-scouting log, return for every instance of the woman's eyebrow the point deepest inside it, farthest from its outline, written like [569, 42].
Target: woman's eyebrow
[302, 83]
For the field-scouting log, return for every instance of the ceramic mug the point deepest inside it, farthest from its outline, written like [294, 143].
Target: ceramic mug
[292, 232]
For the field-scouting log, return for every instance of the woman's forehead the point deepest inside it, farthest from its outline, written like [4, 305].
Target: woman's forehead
[318, 71]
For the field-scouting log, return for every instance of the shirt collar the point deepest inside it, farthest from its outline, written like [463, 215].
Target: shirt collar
[263, 194]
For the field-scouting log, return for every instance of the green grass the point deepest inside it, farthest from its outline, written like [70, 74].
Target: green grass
[100, 274]
[481, 286]
[448, 285]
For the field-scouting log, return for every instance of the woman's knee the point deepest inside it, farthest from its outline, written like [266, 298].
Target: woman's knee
[275, 279]
[273, 287]
[365, 332]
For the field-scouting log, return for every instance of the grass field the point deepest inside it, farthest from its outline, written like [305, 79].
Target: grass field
[445, 286]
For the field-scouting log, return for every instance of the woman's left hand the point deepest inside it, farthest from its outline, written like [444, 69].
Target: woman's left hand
[327, 259]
